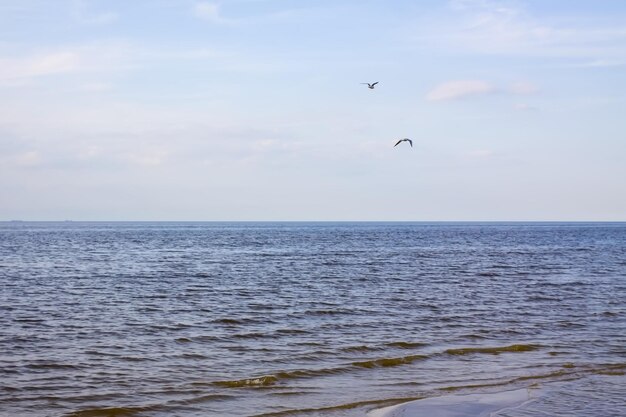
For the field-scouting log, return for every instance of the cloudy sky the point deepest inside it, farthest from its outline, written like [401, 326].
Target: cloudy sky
[253, 110]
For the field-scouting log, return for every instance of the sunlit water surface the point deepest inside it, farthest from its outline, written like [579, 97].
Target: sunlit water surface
[311, 319]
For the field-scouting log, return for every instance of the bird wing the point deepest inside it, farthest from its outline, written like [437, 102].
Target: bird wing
[397, 143]
[374, 83]
[410, 142]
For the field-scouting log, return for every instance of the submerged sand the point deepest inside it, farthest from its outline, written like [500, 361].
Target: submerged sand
[471, 405]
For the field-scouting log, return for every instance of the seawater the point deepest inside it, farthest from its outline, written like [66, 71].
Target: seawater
[310, 319]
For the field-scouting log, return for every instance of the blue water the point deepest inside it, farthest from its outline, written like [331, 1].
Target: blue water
[311, 319]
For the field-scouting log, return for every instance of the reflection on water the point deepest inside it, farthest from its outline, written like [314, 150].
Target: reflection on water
[316, 319]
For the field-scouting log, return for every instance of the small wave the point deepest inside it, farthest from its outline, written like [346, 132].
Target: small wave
[207, 338]
[388, 362]
[252, 335]
[29, 320]
[569, 324]
[305, 373]
[52, 365]
[261, 307]
[611, 372]
[553, 374]
[314, 355]
[543, 298]
[204, 398]
[616, 369]
[276, 377]
[192, 356]
[473, 336]
[328, 312]
[272, 379]
[110, 412]
[228, 321]
[292, 331]
[340, 407]
[569, 369]
[405, 345]
[492, 350]
[261, 381]
[288, 393]
[359, 348]
[134, 359]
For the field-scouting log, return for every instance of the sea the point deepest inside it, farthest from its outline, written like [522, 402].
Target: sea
[312, 319]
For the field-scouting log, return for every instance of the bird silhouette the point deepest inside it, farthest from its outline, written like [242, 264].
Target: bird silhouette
[371, 86]
[404, 140]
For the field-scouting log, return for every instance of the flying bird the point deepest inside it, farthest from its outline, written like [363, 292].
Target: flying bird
[371, 86]
[404, 140]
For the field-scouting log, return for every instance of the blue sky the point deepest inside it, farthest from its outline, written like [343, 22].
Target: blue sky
[253, 110]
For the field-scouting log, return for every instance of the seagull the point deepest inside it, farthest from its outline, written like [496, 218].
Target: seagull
[404, 140]
[371, 86]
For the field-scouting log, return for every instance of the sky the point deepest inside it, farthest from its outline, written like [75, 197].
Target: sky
[254, 110]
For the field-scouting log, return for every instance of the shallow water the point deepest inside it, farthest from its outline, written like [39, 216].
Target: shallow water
[315, 319]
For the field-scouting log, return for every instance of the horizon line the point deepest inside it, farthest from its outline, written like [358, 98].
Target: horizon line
[310, 221]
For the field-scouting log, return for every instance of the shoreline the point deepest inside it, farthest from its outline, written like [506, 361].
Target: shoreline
[457, 405]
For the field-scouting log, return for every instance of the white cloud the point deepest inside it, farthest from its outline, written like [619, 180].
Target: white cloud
[452, 90]
[480, 154]
[28, 159]
[510, 28]
[208, 11]
[95, 87]
[523, 87]
[212, 12]
[601, 63]
[457, 89]
[525, 107]
[147, 158]
[83, 15]
[38, 65]
[95, 57]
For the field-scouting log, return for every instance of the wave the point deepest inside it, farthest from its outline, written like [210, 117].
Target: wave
[261, 381]
[568, 371]
[340, 407]
[203, 399]
[229, 321]
[369, 348]
[292, 331]
[111, 411]
[472, 336]
[388, 362]
[359, 348]
[405, 345]
[488, 274]
[492, 350]
[329, 312]
[614, 369]
[276, 377]
[53, 365]
[251, 335]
